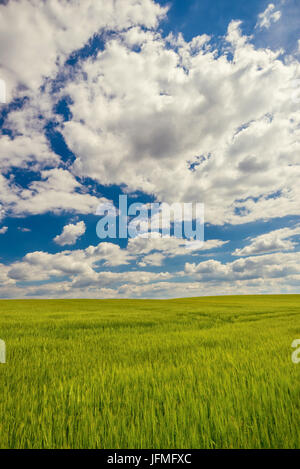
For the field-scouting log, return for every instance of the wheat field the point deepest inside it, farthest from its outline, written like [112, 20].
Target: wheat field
[189, 373]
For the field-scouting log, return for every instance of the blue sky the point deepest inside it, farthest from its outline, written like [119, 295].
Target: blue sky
[165, 101]
[190, 17]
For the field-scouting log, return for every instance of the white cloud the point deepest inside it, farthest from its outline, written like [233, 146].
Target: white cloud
[155, 250]
[177, 120]
[72, 263]
[155, 259]
[272, 273]
[41, 35]
[277, 240]
[269, 16]
[83, 268]
[70, 234]
[27, 146]
[3, 229]
[58, 191]
[83, 265]
[233, 119]
[259, 268]
[25, 149]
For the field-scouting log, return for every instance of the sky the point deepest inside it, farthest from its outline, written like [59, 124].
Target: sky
[163, 101]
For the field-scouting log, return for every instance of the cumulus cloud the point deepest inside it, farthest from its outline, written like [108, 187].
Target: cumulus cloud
[41, 35]
[57, 191]
[24, 150]
[82, 263]
[87, 275]
[70, 234]
[233, 121]
[3, 229]
[156, 259]
[178, 120]
[258, 268]
[277, 240]
[85, 269]
[179, 105]
[269, 16]
[155, 249]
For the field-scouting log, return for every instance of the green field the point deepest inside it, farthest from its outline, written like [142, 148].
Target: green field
[190, 373]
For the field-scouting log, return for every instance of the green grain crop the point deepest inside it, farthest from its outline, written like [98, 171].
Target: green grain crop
[189, 373]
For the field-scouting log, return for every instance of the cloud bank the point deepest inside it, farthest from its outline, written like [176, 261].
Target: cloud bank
[206, 120]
